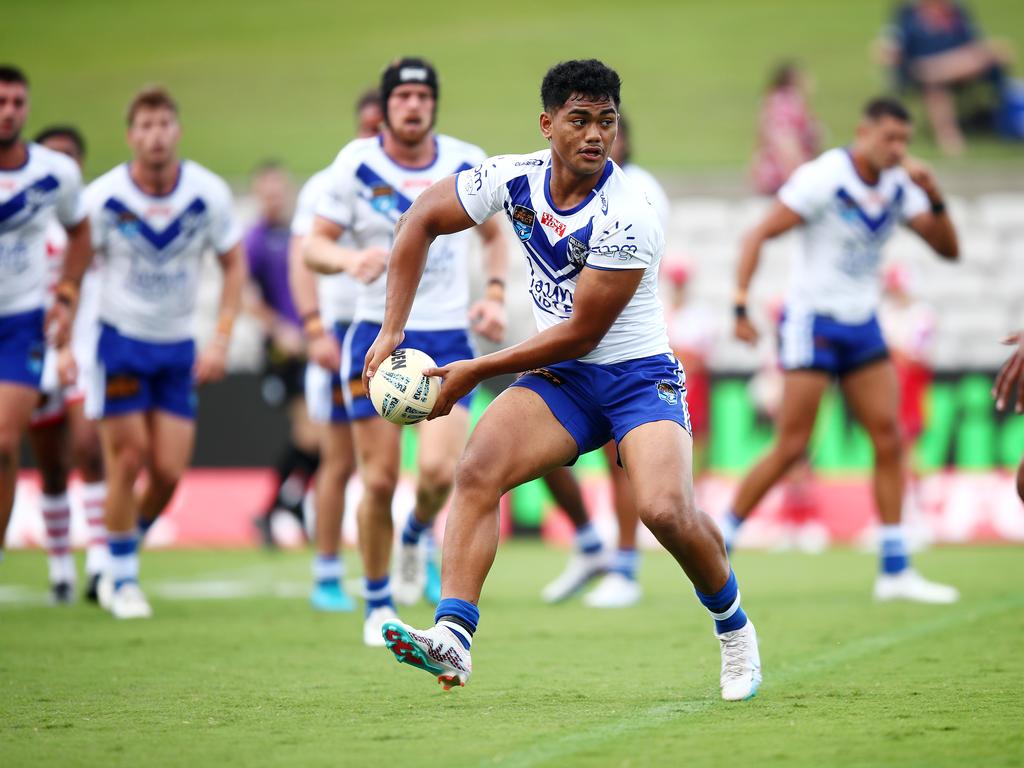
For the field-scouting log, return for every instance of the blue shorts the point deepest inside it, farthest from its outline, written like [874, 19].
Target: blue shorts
[444, 347]
[822, 343]
[325, 400]
[596, 403]
[134, 375]
[22, 348]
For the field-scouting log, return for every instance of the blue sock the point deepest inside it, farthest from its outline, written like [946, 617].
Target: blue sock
[724, 606]
[625, 562]
[378, 593]
[413, 530]
[459, 616]
[328, 570]
[144, 526]
[124, 558]
[587, 540]
[892, 549]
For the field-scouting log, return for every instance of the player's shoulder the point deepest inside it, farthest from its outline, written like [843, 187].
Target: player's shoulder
[458, 151]
[114, 181]
[201, 178]
[353, 153]
[51, 161]
[833, 162]
[627, 195]
[314, 186]
[506, 167]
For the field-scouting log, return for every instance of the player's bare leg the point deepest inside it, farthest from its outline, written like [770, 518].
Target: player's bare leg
[589, 558]
[801, 395]
[441, 444]
[170, 451]
[378, 456]
[619, 588]
[49, 447]
[16, 404]
[658, 458]
[337, 462]
[126, 445]
[872, 394]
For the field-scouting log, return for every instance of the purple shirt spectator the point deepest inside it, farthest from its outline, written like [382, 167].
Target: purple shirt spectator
[267, 249]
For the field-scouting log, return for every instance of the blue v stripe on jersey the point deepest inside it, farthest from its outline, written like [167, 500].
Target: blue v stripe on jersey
[22, 206]
[875, 224]
[372, 179]
[159, 240]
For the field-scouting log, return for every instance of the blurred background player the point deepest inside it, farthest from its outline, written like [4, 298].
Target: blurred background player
[36, 184]
[618, 587]
[60, 436]
[788, 135]
[1010, 378]
[847, 204]
[326, 304]
[373, 182]
[153, 220]
[266, 249]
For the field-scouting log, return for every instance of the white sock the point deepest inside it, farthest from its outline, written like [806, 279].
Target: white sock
[94, 498]
[56, 511]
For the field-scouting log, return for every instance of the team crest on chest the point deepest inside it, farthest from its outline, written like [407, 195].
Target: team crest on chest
[382, 198]
[523, 219]
[576, 251]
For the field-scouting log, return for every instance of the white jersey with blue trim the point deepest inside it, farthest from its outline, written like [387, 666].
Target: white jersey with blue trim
[368, 192]
[151, 248]
[835, 272]
[47, 185]
[615, 227]
[337, 293]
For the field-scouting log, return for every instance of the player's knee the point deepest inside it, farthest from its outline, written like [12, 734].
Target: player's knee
[128, 459]
[88, 458]
[792, 448]
[475, 475]
[165, 476]
[379, 485]
[436, 477]
[887, 442]
[9, 445]
[336, 471]
[669, 513]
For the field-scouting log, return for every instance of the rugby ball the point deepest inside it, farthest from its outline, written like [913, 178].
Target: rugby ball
[399, 390]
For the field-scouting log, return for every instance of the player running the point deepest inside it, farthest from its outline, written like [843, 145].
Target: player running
[326, 304]
[847, 204]
[60, 435]
[36, 184]
[599, 369]
[618, 587]
[153, 219]
[372, 182]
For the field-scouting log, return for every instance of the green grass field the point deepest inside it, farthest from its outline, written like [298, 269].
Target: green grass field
[258, 78]
[261, 680]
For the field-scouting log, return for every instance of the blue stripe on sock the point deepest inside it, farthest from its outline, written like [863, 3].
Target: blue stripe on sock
[721, 601]
[893, 552]
[587, 539]
[413, 530]
[375, 586]
[122, 544]
[462, 609]
[625, 562]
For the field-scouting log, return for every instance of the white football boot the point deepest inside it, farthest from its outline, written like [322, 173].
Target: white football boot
[128, 602]
[374, 623]
[410, 573]
[614, 591]
[579, 571]
[908, 584]
[741, 663]
[436, 650]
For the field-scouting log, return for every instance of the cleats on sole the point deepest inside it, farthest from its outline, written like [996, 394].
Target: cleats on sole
[405, 650]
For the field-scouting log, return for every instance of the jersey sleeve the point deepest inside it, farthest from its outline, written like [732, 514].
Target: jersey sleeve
[808, 190]
[628, 243]
[225, 229]
[93, 199]
[305, 207]
[481, 189]
[915, 201]
[337, 199]
[70, 204]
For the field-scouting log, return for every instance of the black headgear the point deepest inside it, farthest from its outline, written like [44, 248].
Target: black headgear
[404, 71]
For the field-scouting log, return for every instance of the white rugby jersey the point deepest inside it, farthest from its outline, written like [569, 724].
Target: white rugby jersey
[153, 246]
[47, 185]
[846, 222]
[337, 293]
[615, 227]
[368, 192]
[644, 180]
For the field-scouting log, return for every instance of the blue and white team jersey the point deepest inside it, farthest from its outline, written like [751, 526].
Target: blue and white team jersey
[337, 293]
[368, 192]
[835, 272]
[152, 248]
[47, 185]
[615, 227]
[644, 180]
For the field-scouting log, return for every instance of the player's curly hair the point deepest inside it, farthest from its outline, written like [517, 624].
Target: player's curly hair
[583, 77]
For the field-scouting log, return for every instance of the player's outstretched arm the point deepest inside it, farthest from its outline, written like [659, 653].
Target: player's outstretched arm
[212, 361]
[487, 315]
[779, 219]
[322, 254]
[436, 212]
[935, 227]
[600, 296]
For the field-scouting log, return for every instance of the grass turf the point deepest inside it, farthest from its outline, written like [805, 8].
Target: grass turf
[260, 79]
[262, 680]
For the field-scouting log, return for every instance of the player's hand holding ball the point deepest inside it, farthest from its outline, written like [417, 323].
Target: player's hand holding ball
[457, 381]
[401, 390]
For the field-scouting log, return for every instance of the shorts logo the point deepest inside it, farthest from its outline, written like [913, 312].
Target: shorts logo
[523, 219]
[122, 386]
[576, 251]
[383, 198]
[667, 392]
[550, 221]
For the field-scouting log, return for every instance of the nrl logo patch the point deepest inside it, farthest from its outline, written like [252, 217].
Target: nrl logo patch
[523, 219]
[576, 251]
[382, 198]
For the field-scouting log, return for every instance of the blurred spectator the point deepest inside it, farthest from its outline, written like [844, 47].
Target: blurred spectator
[787, 135]
[266, 244]
[932, 46]
[692, 333]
